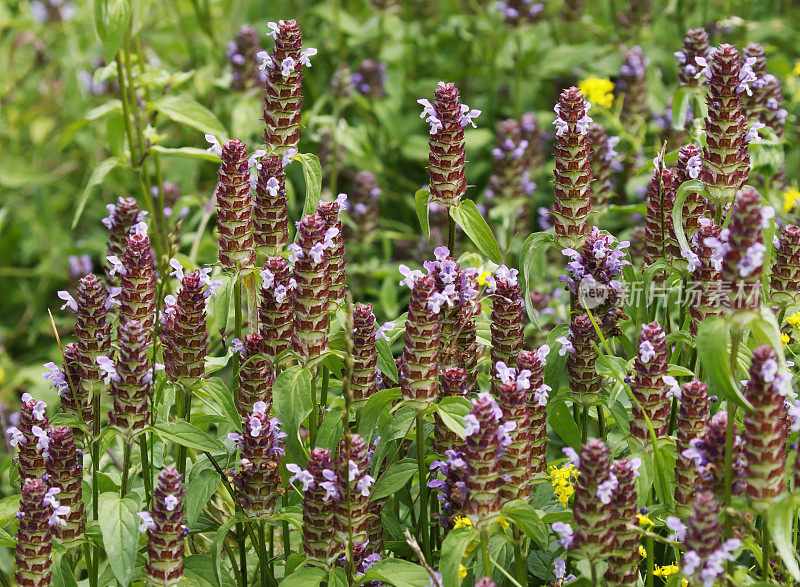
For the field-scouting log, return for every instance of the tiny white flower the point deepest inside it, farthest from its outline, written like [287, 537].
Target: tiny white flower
[215, 146]
[171, 502]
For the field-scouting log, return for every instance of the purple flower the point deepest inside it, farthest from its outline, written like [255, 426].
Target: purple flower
[566, 534]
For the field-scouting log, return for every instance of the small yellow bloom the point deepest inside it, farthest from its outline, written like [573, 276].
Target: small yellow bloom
[562, 479]
[2, 374]
[785, 339]
[666, 570]
[794, 319]
[503, 523]
[790, 199]
[482, 278]
[796, 70]
[644, 520]
[462, 571]
[684, 582]
[642, 551]
[461, 521]
[598, 91]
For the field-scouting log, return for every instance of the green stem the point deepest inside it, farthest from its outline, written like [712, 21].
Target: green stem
[262, 554]
[146, 475]
[584, 424]
[451, 234]
[650, 561]
[312, 417]
[126, 465]
[287, 543]
[87, 555]
[487, 562]
[601, 422]
[423, 486]
[520, 563]
[237, 312]
[95, 471]
[766, 550]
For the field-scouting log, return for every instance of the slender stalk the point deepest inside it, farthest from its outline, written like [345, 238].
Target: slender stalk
[262, 553]
[237, 309]
[520, 563]
[650, 561]
[451, 234]
[487, 562]
[584, 424]
[95, 469]
[287, 543]
[312, 418]
[766, 550]
[87, 555]
[146, 475]
[271, 551]
[126, 466]
[601, 422]
[423, 486]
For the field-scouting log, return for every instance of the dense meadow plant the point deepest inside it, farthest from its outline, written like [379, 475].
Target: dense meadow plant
[293, 352]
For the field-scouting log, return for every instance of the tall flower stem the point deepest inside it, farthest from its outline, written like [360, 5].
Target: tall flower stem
[146, 475]
[312, 418]
[766, 548]
[94, 575]
[520, 564]
[87, 556]
[487, 562]
[262, 553]
[451, 234]
[126, 466]
[423, 486]
[237, 313]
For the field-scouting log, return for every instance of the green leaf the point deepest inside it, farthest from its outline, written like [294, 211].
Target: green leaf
[452, 411]
[185, 110]
[526, 519]
[330, 429]
[560, 419]
[291, 396]
[96, 178]
[6, 539]
[312, 173]
[215, 391]
[680, 106]
[216, 546]
[385, 360]
[375, 405]
[305, 577]
[120, 527]
[453, 547]
[199, 568]
[474, 224]
[9, 506]
[202, 483]
[190, 152]
[395, 477]
[611, 366]
[62, 573]
[398, 572]
[686, 188]
[780, 518]
[337, 578]
[421, 204]
[111, 19]
[188, 435]
[712, 349]
[72, 129]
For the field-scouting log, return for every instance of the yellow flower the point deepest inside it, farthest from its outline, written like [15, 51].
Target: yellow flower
[642, 551]
[666, 570]
[562, 479]
[2, 374]
[462, 571]
[790, 199]
[794, 319]
[598, 91]
[482, 278]
[684, 582]
[461, 521]
[785, 339]
[796, 70]
[503, 523]
[644, 520]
